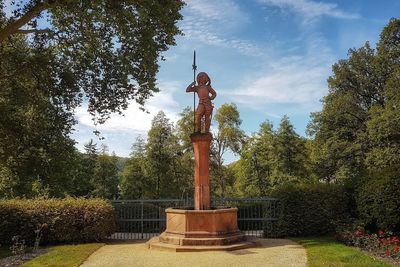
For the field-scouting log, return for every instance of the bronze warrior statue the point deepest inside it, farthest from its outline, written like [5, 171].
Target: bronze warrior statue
[205, 107]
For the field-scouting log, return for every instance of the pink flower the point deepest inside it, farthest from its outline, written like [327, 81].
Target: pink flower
[396, 247]
[388, 252]
[381, 233]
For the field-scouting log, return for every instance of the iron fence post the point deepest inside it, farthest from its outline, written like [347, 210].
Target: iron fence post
[141, 219]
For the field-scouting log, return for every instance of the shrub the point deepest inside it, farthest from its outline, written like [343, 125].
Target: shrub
[385, 244]
[66, 220]
[378, 201]
[311, 209]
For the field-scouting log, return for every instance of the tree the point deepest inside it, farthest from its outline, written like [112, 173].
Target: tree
[290, 154]
[159, 157]
[84, 179]
[255, 166]
[106, 177]
[185, 160]
[384, 125]
[107, 51]
[350, 128]
[184, 128]
[227, 136]
[339, 129]
[133, 178]
[36, 151]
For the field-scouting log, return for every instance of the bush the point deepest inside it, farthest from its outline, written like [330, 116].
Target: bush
[65, 220]
[378, 201]
[312, 209]
[385, 244]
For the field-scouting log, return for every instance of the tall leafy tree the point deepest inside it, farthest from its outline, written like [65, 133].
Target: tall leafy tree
[133, 177]
[106, 179]
[290, 154]
[346, 129]
[85, 177]
[108, 50]
[160, 156]
[185, 160]
[340, 141]
[256, 163]
[384, 125]
[35, 147]
[227, 136]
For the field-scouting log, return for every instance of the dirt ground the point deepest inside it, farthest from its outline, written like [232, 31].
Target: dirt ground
[273, 252]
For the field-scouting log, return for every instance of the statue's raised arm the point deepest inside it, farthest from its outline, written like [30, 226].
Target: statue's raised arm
[191, 88]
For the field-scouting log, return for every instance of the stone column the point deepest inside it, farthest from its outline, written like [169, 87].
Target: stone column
[201, 145]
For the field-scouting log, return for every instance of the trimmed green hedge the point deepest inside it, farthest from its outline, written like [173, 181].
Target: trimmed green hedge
[67, 220]
[378, 201]
[311, 209]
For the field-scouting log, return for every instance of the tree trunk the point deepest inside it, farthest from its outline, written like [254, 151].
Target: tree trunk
[13, 27]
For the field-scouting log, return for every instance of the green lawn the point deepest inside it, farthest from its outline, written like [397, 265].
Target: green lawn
[64, 256]
[324, 251]
[5, 252]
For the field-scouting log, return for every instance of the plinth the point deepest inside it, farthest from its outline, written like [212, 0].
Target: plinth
[201, 228]
[201, 146]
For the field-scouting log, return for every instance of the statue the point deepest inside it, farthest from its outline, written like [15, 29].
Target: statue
[205, 106]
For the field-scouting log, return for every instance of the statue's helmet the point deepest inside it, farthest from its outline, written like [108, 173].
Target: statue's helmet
[202, 78]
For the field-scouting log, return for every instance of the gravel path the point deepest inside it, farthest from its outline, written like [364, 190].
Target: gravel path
[274, 252]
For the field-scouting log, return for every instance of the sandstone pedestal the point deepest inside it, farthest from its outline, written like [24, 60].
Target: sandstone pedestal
[201, 229]
[201, 146]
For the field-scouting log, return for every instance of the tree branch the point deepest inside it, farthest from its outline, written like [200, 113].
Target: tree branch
[13, 27]
[34, 31]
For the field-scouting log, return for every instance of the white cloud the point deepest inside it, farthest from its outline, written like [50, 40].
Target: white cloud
[215, 23]
[291, 81]
[310, 9]
[227, 11]
[135, 120]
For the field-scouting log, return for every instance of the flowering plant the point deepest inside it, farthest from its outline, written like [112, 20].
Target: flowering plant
[384, 243]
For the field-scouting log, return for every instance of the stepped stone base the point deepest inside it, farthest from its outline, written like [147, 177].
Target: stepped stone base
[155, 243]
[201, 230]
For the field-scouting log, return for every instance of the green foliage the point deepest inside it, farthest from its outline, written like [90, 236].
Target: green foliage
[101, 52]
[106, 179]
[307, 210]
[67, 220]
[359, 124]
[290, 154]
[133, 179]
[255, 167]
[110, 49]
[36, 152]
[160, 156]
[227, 136]
[383, 128]
[66, 255]
[162, 167]
[84, 176]
[270, 158]
[378, 201]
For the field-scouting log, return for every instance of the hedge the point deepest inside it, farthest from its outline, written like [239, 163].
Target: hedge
[378, 201]
[66, 220]
[311, 210]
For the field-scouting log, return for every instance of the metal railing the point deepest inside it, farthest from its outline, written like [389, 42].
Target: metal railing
[143, 219]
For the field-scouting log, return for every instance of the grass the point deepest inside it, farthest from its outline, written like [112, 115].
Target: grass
[64, 256]
[5, 252]
[324, 251]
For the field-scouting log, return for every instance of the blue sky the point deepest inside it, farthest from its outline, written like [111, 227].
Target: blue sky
[269, 57]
